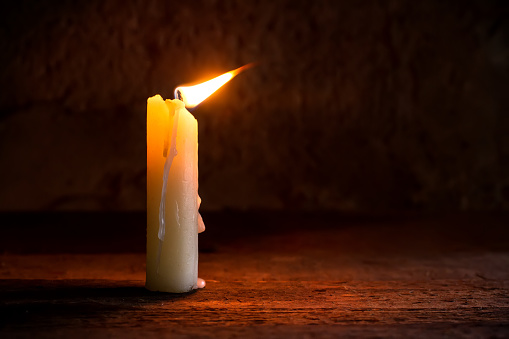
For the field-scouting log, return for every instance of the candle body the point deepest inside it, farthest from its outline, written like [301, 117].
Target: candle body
[172, 264]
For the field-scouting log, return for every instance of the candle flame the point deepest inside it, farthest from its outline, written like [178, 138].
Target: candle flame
[192, 96]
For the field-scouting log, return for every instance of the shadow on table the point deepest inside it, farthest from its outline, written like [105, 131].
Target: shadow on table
[53, 302]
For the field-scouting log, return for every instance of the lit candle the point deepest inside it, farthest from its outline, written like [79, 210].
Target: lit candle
[173, 221]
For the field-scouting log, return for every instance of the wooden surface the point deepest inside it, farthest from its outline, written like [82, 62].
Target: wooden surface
[269, 275]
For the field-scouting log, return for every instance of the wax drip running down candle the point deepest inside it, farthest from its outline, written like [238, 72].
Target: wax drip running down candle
[162, 204]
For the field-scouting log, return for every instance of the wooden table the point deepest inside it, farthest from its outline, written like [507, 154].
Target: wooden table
[268, 275]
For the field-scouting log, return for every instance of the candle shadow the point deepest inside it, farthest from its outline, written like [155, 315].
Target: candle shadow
[54, 302]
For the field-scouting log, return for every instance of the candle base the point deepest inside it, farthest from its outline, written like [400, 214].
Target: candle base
[162, 289]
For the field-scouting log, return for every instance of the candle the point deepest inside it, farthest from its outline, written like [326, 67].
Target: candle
[173, 221]
[172, 197]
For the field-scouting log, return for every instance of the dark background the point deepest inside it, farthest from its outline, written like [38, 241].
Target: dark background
[355, 183]
[354, 105]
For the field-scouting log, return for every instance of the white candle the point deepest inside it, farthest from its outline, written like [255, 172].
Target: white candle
[172, 246]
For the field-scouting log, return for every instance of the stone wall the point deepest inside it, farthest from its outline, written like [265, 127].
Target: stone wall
[353, 105]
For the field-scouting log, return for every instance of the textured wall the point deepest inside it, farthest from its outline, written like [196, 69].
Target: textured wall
[354, 105]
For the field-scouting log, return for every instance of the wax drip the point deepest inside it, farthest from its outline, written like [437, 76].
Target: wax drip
[200, 283]
[166, 171]
[177, 213]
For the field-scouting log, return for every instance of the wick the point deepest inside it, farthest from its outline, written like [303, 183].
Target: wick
[178, 94]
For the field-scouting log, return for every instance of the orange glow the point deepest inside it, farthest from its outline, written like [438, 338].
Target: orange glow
[192, 96]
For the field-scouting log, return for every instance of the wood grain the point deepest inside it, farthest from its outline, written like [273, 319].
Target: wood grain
[388, 279]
